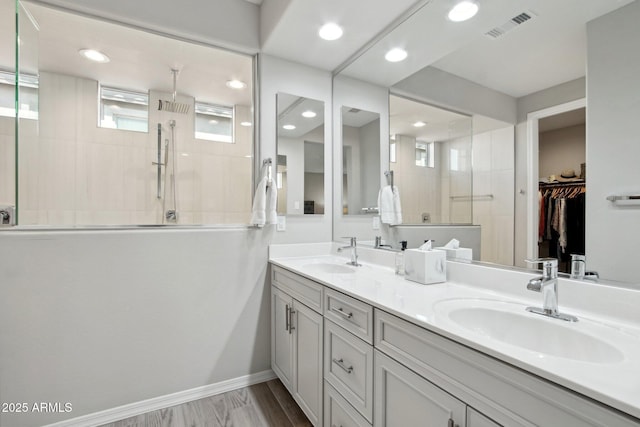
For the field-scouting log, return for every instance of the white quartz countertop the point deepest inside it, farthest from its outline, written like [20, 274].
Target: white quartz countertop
[614, 382]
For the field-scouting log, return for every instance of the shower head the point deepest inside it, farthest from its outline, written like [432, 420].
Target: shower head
[173, 106]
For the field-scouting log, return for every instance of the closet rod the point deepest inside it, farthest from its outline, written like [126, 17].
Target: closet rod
[562, 184]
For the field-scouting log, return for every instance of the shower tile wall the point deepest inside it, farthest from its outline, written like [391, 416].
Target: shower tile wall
[7, 161]
[75, 173]
[493, 173]
[420, 187]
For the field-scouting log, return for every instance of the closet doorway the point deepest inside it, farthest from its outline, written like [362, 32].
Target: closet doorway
[556, 182]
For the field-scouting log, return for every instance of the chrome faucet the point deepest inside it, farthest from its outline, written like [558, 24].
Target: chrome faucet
[547, 284]
[379, 244]
[578, 269]
[354, 251]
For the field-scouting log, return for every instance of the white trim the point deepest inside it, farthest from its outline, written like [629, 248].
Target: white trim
[160, 402]
[532, 168]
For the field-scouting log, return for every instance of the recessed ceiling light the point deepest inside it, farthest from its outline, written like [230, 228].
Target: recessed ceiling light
[330, 31]
[236, 84]
[309, 114]
[94, 55]
[419, 124]
[245, 123]
[396, 55]
[288, 127]
[213, 121]
[462, 11]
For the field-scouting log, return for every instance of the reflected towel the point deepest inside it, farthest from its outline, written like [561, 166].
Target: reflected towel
[272, 203]
[258, 213]
[389, 205]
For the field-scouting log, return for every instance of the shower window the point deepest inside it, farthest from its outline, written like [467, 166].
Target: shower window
[214, 122]
[123, 109]
[28, 98]
[425, 154]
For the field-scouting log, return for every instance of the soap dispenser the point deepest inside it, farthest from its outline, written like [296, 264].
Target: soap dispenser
[400, 258]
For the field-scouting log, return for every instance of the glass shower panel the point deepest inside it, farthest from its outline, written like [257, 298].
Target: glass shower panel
[8, 42]
[28, 96]
[149, 167]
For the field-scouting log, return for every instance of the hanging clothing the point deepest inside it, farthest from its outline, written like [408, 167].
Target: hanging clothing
[562, 219]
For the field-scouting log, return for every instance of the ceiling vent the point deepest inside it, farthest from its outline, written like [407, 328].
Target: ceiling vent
[512, 23]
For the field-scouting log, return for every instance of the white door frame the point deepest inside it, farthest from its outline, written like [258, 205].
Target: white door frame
[533, 215]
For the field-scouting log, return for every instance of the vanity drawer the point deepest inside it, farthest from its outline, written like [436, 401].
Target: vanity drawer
[304, 290]
[348, 366]
[353, 315]
[338, 412]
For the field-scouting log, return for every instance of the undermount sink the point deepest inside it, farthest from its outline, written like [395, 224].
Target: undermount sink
[331, 268]
[511, 324]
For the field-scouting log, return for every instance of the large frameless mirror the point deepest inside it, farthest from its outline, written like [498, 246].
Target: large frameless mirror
[300, 159]
[360, 161]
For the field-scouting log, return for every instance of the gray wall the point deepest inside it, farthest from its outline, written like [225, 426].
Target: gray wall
[370, 161]
[613, 71]
[562, 149]
[106, 318]
[447, 90]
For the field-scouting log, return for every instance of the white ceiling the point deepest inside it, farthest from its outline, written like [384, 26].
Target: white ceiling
[139, 60]
[295, 37]
[543, 52]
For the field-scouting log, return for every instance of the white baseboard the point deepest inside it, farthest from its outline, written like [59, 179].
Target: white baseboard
[144, 406]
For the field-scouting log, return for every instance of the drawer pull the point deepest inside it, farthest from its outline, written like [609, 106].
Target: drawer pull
[340, 363]
[342, 313]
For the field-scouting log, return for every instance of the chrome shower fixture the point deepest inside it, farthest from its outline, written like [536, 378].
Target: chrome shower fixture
[173, 106]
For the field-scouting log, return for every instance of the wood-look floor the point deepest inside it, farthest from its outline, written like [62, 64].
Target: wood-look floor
[266, 404]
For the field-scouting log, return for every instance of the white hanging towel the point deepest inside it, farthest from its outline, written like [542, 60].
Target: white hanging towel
[272, 202]
[389, 205]
[258, 213]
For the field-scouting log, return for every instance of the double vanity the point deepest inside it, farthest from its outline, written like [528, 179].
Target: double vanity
[362, 346]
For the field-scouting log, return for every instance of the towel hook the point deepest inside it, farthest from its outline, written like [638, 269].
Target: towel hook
[268, 162]
[389, 175]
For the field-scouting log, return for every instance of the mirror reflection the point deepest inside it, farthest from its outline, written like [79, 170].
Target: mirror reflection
[360, 161]
[300, 165]
[519, 63]
[430, 154]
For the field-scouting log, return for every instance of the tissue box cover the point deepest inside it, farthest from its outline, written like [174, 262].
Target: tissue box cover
[425, 267]
[459, 253]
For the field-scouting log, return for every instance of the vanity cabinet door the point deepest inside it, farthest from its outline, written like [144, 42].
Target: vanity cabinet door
[476, 419]
[281, 337]
[307, 359]
[403, 398]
